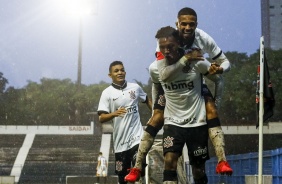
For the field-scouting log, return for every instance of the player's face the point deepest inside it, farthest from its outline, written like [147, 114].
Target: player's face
[117, 74]
[186, 24]
[169, 48]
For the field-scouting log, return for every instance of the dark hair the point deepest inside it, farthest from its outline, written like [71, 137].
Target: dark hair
[186, 11]
[167, 31]
[114, 63]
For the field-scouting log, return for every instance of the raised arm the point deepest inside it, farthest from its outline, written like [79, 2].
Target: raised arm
[167, 71]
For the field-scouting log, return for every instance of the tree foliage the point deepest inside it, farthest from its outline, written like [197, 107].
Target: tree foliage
[54, 101]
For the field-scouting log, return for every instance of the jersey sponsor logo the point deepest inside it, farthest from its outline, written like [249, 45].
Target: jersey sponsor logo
[168, 142]
[187, 120]
[179, 85]
[118, 166]
[131, 109]
[201, 151]
[132, 95]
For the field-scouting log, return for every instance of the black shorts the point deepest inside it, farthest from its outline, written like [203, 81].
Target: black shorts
[196, 139]
[206, 92]
[125, 160]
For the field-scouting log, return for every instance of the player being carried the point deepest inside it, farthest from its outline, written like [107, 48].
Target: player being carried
[195, 43]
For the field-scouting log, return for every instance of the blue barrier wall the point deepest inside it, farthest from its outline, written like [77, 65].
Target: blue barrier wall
[247, 164]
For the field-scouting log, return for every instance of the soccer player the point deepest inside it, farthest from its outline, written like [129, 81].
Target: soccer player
[102, 165]
[192, 39]
[184, 113]
[119, 104]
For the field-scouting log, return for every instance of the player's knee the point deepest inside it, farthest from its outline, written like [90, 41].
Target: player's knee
[211, 111]
[214, 122]
[170, 161]
[157, 119]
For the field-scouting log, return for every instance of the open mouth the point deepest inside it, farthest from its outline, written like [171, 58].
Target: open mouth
[187, 34]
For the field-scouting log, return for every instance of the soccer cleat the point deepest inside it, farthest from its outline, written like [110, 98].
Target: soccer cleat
[133, 175]
[224, 168]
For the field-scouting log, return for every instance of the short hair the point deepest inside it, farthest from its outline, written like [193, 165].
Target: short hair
[114, 63]
[167, 31]
[187, 11]
[100, 153]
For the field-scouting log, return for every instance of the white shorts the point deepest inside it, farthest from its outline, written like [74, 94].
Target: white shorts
[102, 171]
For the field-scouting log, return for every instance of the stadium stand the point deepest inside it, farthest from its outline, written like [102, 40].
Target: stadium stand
[53, 157]
[9, 148]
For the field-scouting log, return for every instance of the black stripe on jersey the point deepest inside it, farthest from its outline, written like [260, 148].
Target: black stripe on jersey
[217, 56]
[102, 112]
[146, 100]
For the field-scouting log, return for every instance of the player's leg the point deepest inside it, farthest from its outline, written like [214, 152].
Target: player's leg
[123, 163]
[199, 174]
[216, 134]
[197, 144]
[170, 168]
[104, 171]
[173, 142]
[153, 126]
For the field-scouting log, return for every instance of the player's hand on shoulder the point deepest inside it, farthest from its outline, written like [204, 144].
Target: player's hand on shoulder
[194, 55]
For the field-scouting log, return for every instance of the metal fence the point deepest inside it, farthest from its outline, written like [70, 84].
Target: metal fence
[247, 164]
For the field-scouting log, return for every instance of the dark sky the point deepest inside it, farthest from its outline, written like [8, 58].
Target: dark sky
[38, 38]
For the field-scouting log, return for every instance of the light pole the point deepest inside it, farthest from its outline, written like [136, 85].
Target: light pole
[78, 8]
[79, 63]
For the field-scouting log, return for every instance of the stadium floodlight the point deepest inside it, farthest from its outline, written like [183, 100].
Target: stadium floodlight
[78, 9]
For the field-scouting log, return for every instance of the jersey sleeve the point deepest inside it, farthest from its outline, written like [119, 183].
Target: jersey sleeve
[202, 66]
[223, 62]
[142, 94]
[213, 50]
[153, 70]
[104, 105]
[166, 71]
[158, 96]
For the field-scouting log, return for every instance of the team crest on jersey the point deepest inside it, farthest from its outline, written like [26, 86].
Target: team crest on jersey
[161, 100]
[168, 142]
[187, 68]
[132, 95]
[118, 165]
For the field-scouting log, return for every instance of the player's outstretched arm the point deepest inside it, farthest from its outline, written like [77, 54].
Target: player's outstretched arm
[166, 71]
